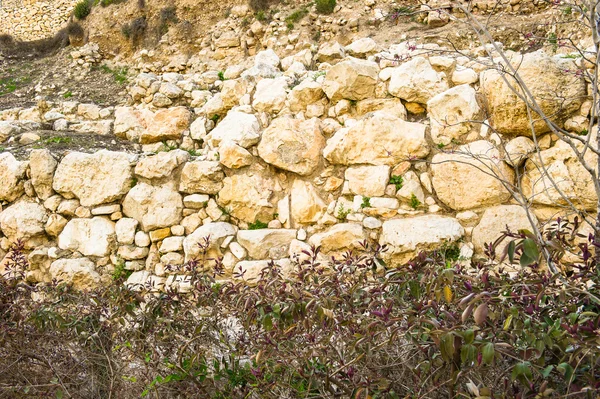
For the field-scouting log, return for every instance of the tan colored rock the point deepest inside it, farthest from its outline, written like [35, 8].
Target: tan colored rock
[130, 123]
[167, 124]
[211, 236]
[233, 156]
[353, 79]
[558, 93]
[125, 231]
[161, 165]
[90, 237]
[306, 93]
[251, 270]
[228, 39]
[247, 197]
[202, 177]
[518, 150]
[379, 139]
[450, 114]
[238, 127]
[266, 243]
[232, 91]
[416, 81]
[494, 222]
[80, 273]
[293, 145]
[368, 181]
[307, 206]
[329, 52]
[270, 95]
[405, 237]
[153, 207]
[42, 165]
[392, 106]
[12, 173]
[340, 237]
[23, 220]
[55, 225]
[94, 178]
[362, 48]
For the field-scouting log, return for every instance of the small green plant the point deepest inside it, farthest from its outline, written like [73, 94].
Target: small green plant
[120, 273]
[342, 213]
[221, 75]
[295, 17]
[67, 95]
[261, 16]
[414, 202]
[194, 153]
[553, 40]
[57, 140]
[397, 181]
[316, 36]
[82, 9]
[134, 182]
[214, 118]
[441, 146]
[258, 225]
[366, 202]
[318, 74]
[120, 74]
[2, 149]
[166, 147]
[325, 6]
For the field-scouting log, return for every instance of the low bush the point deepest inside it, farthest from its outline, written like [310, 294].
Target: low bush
[325, 6]
[336, 327]
[82, 9]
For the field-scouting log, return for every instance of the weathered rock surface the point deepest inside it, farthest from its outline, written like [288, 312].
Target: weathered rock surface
[42, 166]
[340, 237]
[161, 165]
[23, 220]
[247, 197]
[494, 222]
[450, 113]
[238, 127]
[12, 173]
[153, 207]
[416, 81]
[353, 79]
[167, 124]
[90, 237]
[202, 177]
[306, 204]
[77, 272]
[212, 234]
[266, 243]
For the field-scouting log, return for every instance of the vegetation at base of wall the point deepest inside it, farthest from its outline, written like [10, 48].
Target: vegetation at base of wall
[82, 9]
[257, 225]
[333, 328]
[325, 6]
[397, 181]
[366, 202]
[414, 202]
[119, 74]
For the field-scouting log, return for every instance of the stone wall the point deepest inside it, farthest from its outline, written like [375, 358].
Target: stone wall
[32, 19]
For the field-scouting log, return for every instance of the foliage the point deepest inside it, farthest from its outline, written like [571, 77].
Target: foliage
[82, 9]
[366, 202]
[398, 181]
[295, 17]
[257, 225]
[119, 74]
[325, 6]
[342, 213]
[414, 202]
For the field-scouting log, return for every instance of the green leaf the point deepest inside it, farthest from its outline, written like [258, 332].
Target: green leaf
[530, 252]
[59, 394]
[268, 323]
[468, 353]
[487, 353]
[546, 372]
[511, 251]
[507, 322]
[522, 372]
[447, 346]
[469, 336]
[566, 370]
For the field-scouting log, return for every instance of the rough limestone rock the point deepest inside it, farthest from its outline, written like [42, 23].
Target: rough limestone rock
[238, 127]
[233, 156]
[405, 237]
[362, 48]
[450, 113]
[94, 178]
[307, 206]
[55, 225]
[353, 79]
[12, 173]
[266, 243]
[80, 273]
[201, 177]
[232, 92]
[167, 124]
[23, 220]
[463, 180]
[270, 95]
[518, 150]
[379, 139]
[90, 237]
[330, 52]
[125, 230]
[416, 81]
[161, 165]
[340, 237]
[558, 93]
[563, 178]
[391, 106]
[42, 166]
[293, 145]
[247, 197]
[369, 181]
[153, 207]
[130, 123]
[494, 221]
[306, 93]
[250, 270]
[214, 232]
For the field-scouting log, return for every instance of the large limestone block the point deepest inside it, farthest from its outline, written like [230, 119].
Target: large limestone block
[369, 181]
[293, 145]
[80, 273]
[94, 178]
[343, 236]
[90, 237]
[12, 173]
[404, 237]
[238, 127]
[266, 243]
[416, 81]
[247, 197]
[353, 79]
[379, 139]
[392, 106]
[130, 123]
[232, 92]
[270, 94]
[362, 48]
[161, 165]
[23, 220]
[450, 113]
[306, 93]
[42, 166]
[471, 177]
[201, 177]
[167, 124]
[250, 271]
[153, 207]
[560, 178]
[495, 220]
[307, 206]
[559, 93]
[209, 236]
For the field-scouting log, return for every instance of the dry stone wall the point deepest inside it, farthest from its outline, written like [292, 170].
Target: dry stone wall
[33, 19]
[258, 163]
